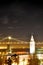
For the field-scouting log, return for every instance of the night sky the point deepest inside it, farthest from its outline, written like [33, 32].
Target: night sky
[21, 19]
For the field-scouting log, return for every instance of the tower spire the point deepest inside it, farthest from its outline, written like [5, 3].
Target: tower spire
[32, 38]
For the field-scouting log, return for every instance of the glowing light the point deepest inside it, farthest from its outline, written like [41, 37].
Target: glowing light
[23, 59]
[14, 63]
[3, 47]
[9, 37]
[40, 56]
[32, 45]
[0, 52]
[21, 63]
[10, 51]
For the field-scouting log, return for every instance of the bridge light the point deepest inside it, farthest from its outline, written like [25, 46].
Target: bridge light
[9, 37]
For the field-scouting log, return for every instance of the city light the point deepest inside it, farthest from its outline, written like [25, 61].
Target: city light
[40, 56]
[14, 63]
[10, 50]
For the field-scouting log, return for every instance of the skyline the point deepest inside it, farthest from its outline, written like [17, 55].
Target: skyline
[20, 20]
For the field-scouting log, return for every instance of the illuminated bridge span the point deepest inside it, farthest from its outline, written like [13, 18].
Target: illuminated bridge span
[16, 45]
[13, 42]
